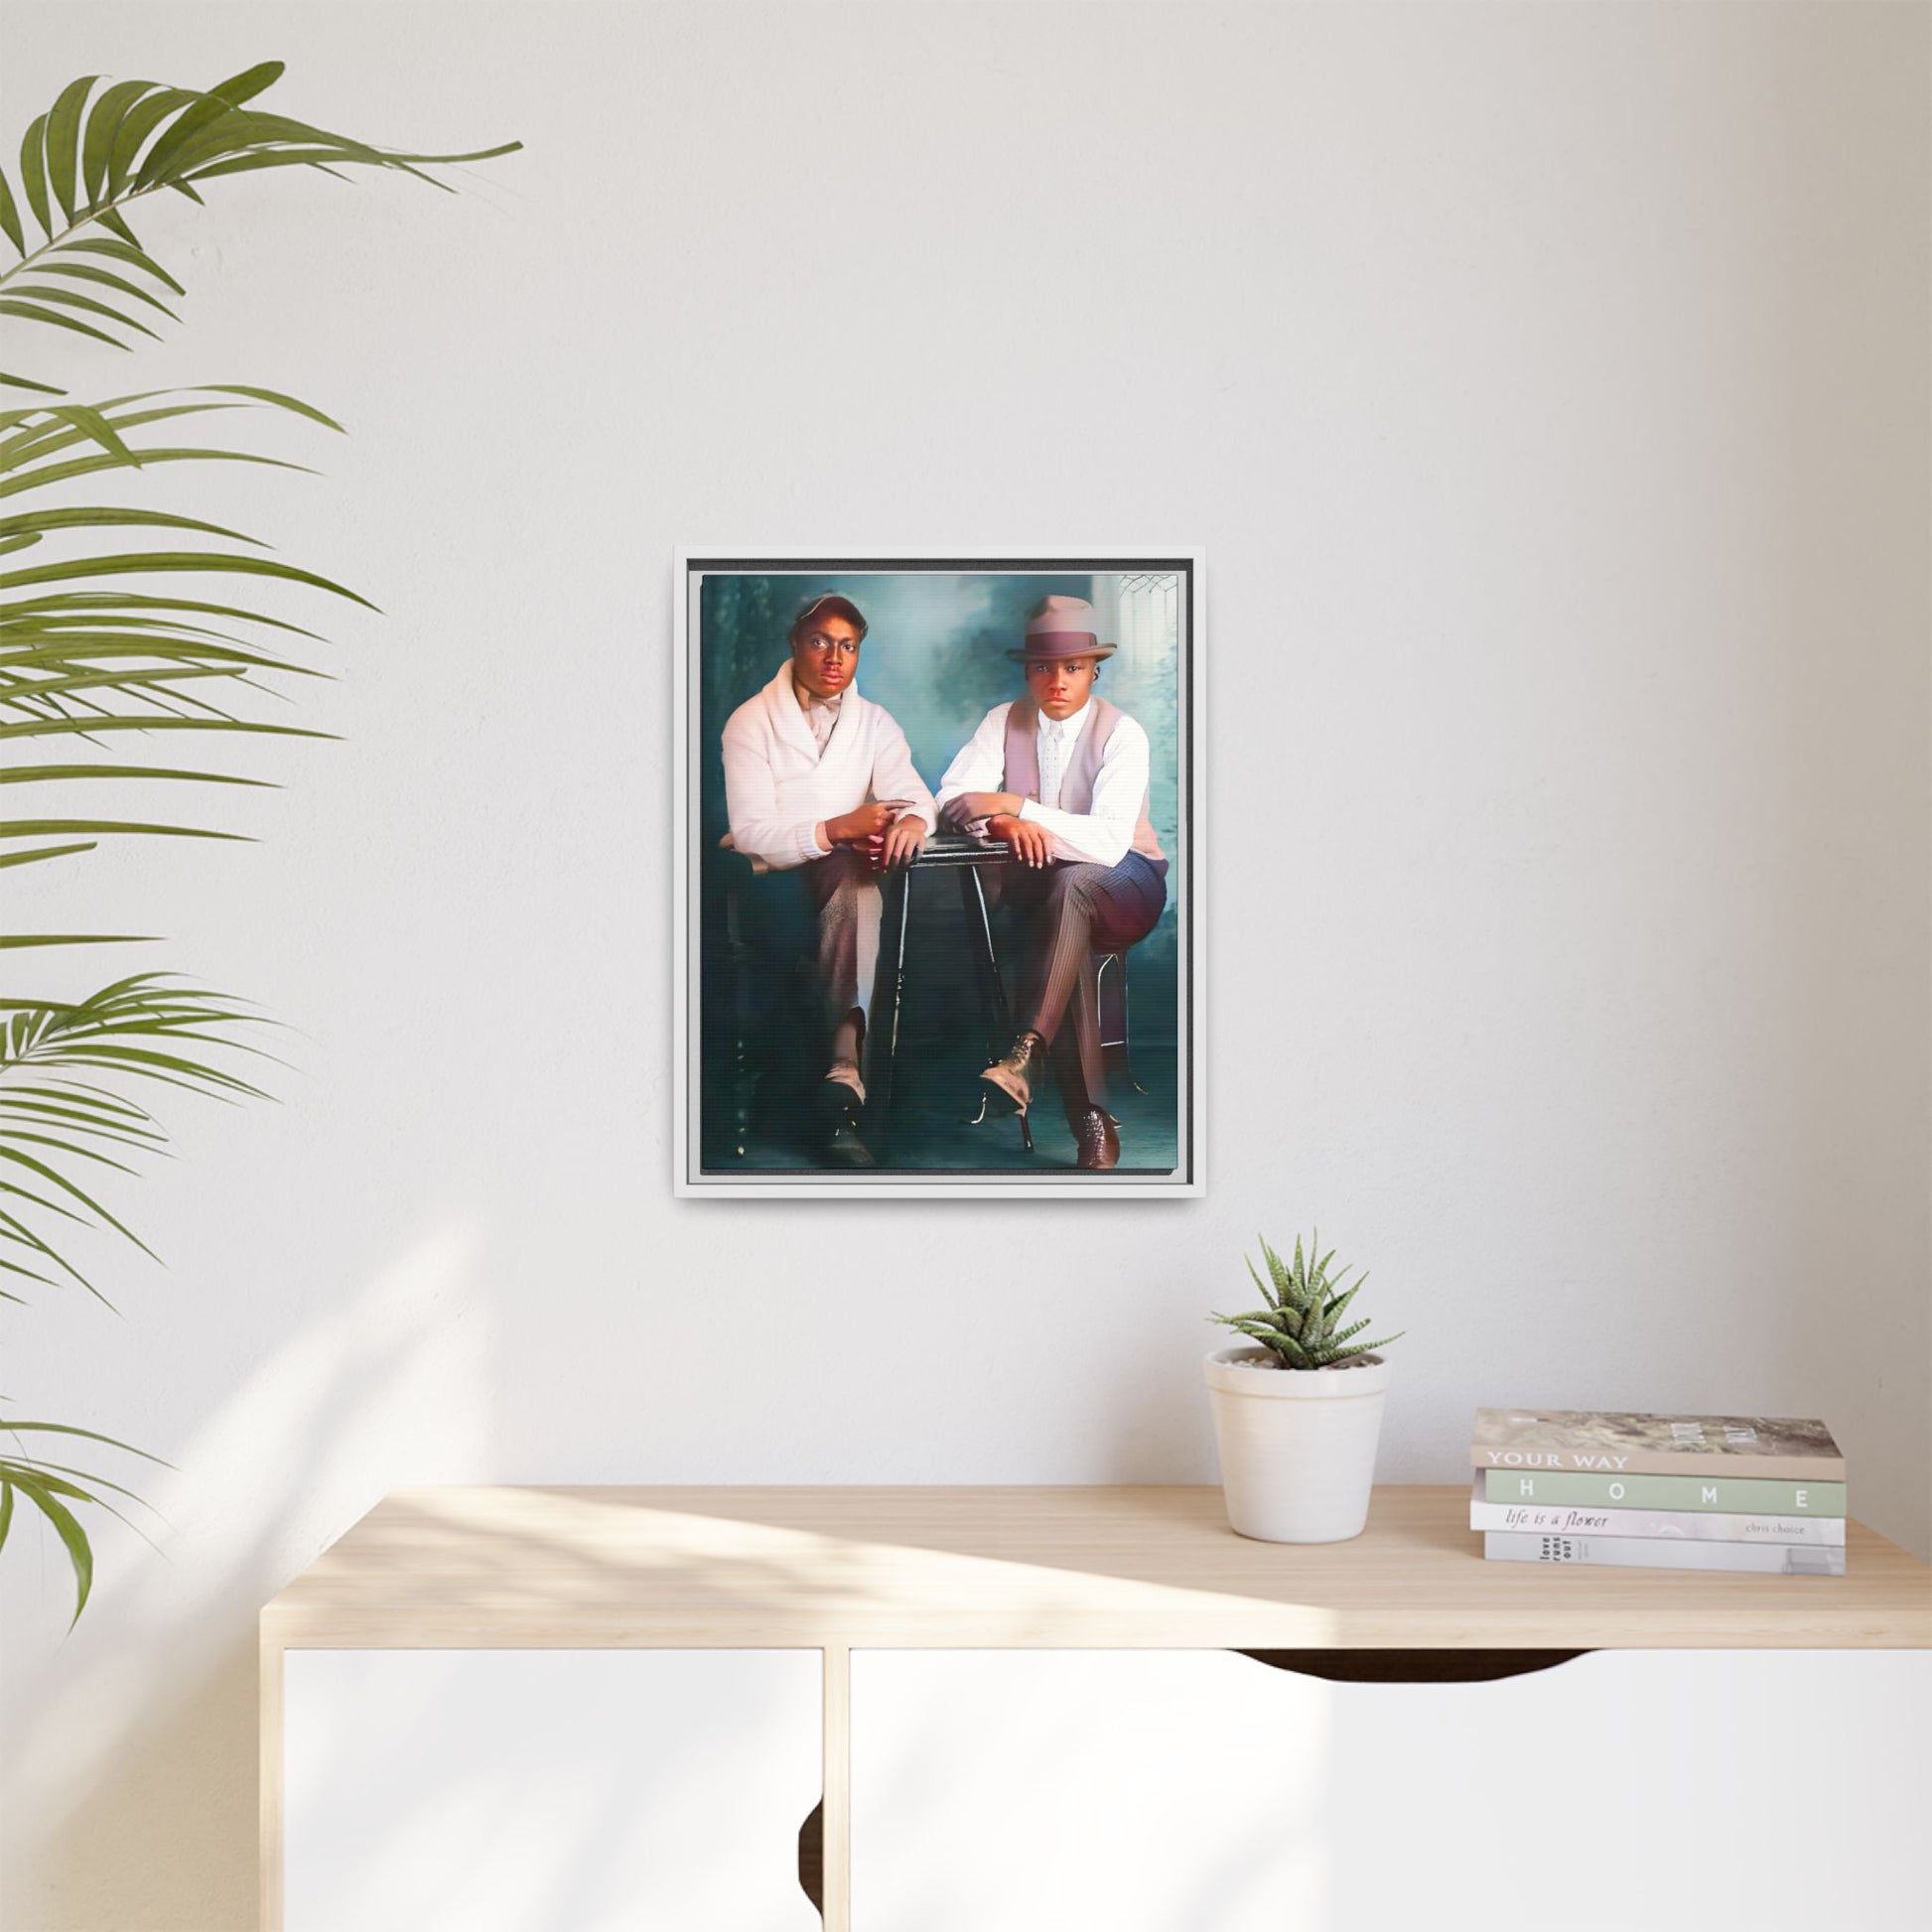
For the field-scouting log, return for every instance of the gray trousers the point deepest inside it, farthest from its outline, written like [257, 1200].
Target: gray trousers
[845, 895]
[818, 925]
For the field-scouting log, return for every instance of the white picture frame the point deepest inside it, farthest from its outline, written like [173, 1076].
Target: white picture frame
[706, 1167]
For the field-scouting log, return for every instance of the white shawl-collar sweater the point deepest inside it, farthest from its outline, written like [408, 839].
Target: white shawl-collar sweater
[779, 787]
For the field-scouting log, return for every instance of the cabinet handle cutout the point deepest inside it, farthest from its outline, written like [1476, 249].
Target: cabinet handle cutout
[1413, 1666]
[811, 1857]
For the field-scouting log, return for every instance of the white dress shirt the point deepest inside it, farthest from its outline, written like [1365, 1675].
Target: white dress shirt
[1102, 836]
[1053, 748]
[782, 784]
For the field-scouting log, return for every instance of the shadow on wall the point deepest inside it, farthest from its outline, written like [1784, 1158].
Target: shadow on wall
[148, 1824]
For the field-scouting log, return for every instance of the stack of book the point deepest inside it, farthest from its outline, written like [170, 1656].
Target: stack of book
[1664, 1492]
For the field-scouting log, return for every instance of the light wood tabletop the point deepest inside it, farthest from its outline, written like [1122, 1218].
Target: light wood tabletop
[1047, 1566]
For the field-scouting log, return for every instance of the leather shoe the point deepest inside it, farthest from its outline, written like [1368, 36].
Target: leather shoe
[1098, 1134]
[1007, 1084]
[846, 1150]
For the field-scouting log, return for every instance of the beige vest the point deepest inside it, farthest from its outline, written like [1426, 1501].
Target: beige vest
[1076, 782]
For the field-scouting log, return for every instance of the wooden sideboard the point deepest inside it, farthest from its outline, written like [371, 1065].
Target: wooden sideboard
[947, 1570]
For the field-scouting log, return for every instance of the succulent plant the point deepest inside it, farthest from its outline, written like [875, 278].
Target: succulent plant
[1302, 1323]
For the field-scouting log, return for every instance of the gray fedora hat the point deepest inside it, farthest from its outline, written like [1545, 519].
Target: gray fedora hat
[1062, 626]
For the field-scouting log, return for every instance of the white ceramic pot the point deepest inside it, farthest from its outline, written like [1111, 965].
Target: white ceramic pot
[1298, 1445]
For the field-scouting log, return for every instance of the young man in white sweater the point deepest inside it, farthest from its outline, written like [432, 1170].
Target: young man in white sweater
[819, 781]
[1061, 776]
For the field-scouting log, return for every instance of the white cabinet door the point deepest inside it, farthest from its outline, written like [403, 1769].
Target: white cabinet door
[1200, 1791]
[545, 1790]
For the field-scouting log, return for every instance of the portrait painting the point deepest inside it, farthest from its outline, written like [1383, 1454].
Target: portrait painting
[939, 919]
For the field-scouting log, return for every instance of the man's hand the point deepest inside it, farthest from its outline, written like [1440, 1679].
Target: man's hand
[970, 805]
[855, 827]
[900, 845]
[1030, 843]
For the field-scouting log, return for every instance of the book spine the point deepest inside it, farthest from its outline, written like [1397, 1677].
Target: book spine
[1641, 1553]
[1734, 1496]
[1690, 1525]
[1659, 1462]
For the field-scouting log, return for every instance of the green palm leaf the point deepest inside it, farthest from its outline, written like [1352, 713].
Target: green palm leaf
[31, 438]
[104, 120]
[33, 174]
[91, 726]
[122, 252]
[152, 563]
[53, 1487]
[19, 828]
[39, 1489]
[105, 278]
[64, 142]
[10, 221]
[40, 522]
[88, 465]
[81, 166]
[24, 292]
[40, 853]
[68, 773]
[25, 941]
[82, 657]
[31, 312]
[144, 1027]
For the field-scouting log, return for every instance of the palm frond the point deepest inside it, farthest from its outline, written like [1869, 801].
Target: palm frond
[94, 153]
[97, 646]
[54, 1110]
[53, 1488]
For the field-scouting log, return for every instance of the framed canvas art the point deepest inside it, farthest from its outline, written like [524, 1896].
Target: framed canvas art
[939, 875]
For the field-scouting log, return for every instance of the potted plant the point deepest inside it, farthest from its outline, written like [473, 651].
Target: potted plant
[1297, 1414]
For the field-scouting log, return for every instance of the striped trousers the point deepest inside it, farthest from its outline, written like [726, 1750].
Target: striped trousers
[1067, 913]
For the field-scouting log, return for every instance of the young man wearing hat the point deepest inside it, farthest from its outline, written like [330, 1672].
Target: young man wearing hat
[819, 785]
[1061, 776]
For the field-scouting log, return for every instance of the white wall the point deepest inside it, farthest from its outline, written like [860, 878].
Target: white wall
[1549, 387]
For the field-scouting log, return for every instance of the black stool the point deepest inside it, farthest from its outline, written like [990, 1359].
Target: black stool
[1113, 1031]
[944, 852]
[966, 856]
